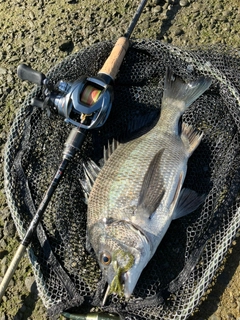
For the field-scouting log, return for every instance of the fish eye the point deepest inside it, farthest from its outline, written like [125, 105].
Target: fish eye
[105, 258]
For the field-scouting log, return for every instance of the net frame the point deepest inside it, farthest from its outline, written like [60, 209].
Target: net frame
[139, 83]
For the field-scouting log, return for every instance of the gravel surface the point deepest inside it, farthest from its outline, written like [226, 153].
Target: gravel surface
[41, 33]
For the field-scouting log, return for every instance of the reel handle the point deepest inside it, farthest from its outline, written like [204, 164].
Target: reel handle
[24, 72]
[114, 61]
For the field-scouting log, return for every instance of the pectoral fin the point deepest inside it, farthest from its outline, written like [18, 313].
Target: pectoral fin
[188, 202]
[153, 189]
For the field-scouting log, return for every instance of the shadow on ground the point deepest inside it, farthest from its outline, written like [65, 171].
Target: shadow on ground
[168, 21]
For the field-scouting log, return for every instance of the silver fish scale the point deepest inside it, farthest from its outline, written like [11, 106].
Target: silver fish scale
[115, 193]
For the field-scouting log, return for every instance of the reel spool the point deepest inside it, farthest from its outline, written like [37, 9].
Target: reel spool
[90, 95]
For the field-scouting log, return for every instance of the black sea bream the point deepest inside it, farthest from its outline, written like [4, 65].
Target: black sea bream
[138, 192]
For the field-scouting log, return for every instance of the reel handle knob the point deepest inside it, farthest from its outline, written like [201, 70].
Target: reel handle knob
[114, 61]
[37, 103]
[24, 72]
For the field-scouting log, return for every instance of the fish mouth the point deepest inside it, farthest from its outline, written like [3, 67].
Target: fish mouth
[130, 280]
[128, 283]
[126, 288]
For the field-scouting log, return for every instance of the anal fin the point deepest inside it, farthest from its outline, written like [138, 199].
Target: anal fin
[188, 202]
[177, 192]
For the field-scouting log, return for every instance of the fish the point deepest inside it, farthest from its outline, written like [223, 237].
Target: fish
[133, 198]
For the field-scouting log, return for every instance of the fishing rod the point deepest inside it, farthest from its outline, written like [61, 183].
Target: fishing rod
[88, 99]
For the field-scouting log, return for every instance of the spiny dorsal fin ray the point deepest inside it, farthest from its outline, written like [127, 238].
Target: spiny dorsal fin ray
[152, 190]
[190, 137]
[188, 202]
[110, 149]
[91, 171]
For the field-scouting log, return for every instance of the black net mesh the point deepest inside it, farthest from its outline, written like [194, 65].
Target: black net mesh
[187, 259]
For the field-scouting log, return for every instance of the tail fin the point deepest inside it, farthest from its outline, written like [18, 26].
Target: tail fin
[182, 94]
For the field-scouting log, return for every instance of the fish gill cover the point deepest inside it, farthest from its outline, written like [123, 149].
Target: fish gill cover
[177, 277]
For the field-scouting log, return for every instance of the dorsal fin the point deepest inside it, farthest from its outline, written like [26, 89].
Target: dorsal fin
[91, 171]
[190, 137]
[110, 149]
[153, 189]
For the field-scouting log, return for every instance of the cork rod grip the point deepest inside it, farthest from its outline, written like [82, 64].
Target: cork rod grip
[114, 61]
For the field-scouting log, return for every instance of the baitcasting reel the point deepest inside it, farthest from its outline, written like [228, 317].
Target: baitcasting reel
[89, 97]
